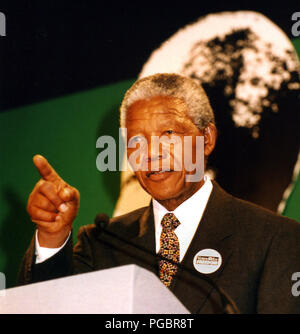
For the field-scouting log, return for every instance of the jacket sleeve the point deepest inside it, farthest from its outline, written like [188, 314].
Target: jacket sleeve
[275, 293]
[66, 262]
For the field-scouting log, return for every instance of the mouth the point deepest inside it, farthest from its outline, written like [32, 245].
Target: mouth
[158, 175]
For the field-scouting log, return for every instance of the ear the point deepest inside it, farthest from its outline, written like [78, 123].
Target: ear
[210, 138]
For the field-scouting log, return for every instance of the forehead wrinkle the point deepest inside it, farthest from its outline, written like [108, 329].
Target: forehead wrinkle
[179, 119]
[165, 111]
[151, 114]
[159, 102]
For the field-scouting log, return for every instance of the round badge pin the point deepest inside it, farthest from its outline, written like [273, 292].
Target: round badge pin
[207, 261]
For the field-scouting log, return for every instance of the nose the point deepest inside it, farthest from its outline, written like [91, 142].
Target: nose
[154, 158]
[156, 153]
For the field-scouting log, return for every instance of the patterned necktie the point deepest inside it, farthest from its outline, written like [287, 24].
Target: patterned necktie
[169, 248]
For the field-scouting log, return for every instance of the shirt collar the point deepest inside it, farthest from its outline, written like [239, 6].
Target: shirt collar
[190, 211]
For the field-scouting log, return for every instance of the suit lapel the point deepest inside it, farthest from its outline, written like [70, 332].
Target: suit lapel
[146, 239]
[131, 240]
[215, 231]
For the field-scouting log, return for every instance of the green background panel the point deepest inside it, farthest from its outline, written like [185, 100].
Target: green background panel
[65, 131]
[292, 208]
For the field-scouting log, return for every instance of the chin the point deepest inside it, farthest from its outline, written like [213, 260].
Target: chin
[163, 194]
[167, 188]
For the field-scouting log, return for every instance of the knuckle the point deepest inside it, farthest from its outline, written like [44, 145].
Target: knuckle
[35, 213]
[39, 185]
[29, 208]
[74, 194]
[49, 188]
[40, 182]
[46, 186]
[61, 185]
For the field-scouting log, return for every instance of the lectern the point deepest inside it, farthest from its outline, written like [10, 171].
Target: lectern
[123, 290]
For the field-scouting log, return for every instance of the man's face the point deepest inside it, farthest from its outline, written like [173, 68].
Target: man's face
[159, 171]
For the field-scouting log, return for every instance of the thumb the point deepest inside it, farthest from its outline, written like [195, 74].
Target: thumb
[68, 194]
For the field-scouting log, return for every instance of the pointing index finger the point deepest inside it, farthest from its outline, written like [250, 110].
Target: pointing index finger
[45, 169]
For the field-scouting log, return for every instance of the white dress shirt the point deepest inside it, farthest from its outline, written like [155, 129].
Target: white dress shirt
[44, 253]
[189, 213]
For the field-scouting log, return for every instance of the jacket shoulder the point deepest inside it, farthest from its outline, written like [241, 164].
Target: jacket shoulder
[255, 217]
[126, 223]
[252, 218]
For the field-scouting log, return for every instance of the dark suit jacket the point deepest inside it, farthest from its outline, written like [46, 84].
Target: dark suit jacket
[260, 251]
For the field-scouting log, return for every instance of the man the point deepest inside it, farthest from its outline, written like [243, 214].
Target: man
[250, 252]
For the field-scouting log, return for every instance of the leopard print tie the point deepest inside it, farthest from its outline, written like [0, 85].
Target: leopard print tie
[169, 248]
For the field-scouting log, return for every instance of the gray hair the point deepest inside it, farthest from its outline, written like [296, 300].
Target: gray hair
[172, 85]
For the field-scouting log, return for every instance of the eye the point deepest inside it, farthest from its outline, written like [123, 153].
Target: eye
[169, 132]
[135, 140]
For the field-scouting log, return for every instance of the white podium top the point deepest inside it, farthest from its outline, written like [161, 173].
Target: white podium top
[123, 290]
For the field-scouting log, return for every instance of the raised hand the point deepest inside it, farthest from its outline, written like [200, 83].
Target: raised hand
[52, 205]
